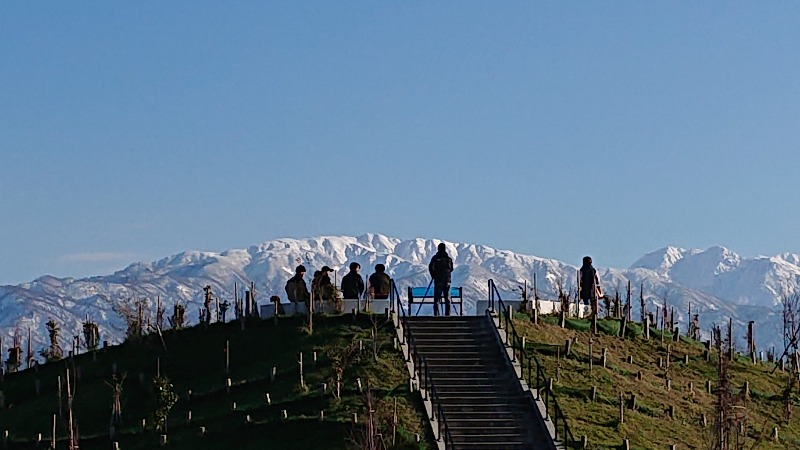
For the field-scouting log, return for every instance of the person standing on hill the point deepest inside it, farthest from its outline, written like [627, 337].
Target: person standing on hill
[589, 287]
[296, 290]
[380, 283]
[353, 283]
[441, 268]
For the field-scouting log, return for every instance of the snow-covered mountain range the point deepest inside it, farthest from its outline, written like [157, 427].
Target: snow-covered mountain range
[717, 282]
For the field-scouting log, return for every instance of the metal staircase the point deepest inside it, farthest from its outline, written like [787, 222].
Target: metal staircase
[476, 387]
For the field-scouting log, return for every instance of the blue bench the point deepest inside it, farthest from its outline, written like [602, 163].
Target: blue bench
[424, 296]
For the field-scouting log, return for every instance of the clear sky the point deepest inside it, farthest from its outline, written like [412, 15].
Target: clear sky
[134, 130]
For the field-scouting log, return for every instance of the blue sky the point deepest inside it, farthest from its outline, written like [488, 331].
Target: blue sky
[134, 130]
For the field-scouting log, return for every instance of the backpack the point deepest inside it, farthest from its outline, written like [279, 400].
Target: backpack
[295, 290]
[441, 267]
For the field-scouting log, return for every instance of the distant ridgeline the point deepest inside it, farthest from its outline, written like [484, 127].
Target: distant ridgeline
[716, 284]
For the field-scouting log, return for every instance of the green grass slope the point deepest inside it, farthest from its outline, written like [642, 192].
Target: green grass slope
[195, 360]
[649, 426]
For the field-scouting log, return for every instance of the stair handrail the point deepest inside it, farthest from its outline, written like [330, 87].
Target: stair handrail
[543, 384]
[394, 297]
[421, 368]
[436, 405]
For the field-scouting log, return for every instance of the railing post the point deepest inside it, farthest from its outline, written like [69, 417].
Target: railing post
[491, 296]
[556, 427]
[513, 348]
[529, 375]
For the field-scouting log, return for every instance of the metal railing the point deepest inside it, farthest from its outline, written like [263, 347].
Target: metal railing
[422, 370]
[530, 366]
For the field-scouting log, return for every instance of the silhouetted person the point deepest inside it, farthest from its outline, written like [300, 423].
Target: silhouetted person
[440, 268]
[315, 284]
[590, 289]
[324, 285]
[296, 290]
[380, 283]
[353, 283]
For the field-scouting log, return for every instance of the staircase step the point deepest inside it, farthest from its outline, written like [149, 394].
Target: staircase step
[515, 430]
[491, 445]
[495, 441]
[483, 389]
[478, 416]
[453, 372]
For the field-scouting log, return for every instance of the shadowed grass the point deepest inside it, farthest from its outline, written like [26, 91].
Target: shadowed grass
[195, 361]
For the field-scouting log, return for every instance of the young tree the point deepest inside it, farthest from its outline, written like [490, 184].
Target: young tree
[176, 320]
[791, 329]
[369, 436]
[91, 336]
[342, 358]
[132, 311]
[208, 296]
[730, 415]
[116, 401]
[164, 401]
[54, 352]
[14, 361]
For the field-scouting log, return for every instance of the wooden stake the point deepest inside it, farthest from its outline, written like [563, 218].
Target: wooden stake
[53, 436]
[72, 442]
[300, 361]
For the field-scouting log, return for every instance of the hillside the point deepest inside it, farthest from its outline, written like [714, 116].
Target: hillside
[649, 426]
[195, 360]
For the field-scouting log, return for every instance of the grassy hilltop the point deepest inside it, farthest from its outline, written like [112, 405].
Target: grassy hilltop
[649, 425]
[195, 360]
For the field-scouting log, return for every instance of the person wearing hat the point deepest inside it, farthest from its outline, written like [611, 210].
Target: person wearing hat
[380, 283]
[441, 268]
[353, 283]
[296, 290]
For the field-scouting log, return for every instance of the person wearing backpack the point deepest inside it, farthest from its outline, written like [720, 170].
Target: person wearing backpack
[589, 287]
[440, 268]
[380, 283]
[296, 290]
[353, 283]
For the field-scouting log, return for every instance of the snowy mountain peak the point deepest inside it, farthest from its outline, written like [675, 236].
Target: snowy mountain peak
[661, 260]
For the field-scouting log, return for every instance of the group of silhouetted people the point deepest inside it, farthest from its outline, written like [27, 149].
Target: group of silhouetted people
[352, 284]
[380, 284]
[440, 269]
